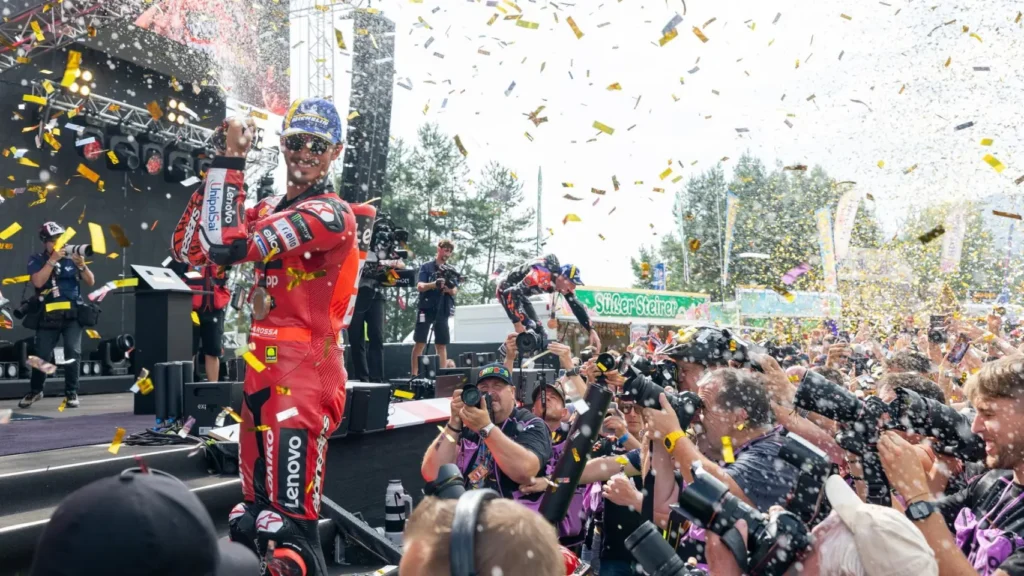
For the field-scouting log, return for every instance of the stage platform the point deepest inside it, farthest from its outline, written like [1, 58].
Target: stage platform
[37, 473]
[87, 385]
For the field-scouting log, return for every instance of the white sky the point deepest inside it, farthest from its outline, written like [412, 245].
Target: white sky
[882, 52]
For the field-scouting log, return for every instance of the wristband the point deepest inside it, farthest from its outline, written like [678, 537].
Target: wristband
[622, 440]
[52, 263]
[456, 430]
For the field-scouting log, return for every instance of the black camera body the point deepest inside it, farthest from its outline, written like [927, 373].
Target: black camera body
[531, 342]
[914, 413]
[773, 543]
[449, 484]
[385, 241]
[449, 274]
[646, 381]
[807, 500]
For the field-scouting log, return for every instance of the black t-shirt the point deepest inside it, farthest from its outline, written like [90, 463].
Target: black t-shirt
[996, 502]
[524, 429]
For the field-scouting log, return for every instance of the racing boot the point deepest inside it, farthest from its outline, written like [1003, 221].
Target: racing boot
[292, 546]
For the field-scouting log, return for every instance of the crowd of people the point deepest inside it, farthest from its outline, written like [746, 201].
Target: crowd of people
[918, 430]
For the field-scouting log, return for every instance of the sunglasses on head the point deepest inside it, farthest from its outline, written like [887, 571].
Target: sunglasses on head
[316, 145]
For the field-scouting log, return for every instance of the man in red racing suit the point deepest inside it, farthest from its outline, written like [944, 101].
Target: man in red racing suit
[308, 257]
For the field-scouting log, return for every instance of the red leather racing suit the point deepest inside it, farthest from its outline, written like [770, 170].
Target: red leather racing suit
[308, 258]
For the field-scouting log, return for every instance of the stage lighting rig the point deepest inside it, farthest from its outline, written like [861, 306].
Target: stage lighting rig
[152, 154]
[125, 149]
[90, 143]
[203, 161]
[178, 164]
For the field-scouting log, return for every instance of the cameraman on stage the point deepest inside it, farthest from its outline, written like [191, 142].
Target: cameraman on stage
[438, 285]
[368, 318]
[542, 275]
[54, 311]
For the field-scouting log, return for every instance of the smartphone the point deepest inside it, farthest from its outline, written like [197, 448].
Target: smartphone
[959, 349]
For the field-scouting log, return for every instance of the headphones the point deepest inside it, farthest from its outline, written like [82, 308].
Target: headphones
[464, 530]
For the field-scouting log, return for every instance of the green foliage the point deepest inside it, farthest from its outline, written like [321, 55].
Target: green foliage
[775, 217]
[427, 191]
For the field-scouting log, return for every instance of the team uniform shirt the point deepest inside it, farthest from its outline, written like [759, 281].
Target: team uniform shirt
[62, 286]
[987, 518]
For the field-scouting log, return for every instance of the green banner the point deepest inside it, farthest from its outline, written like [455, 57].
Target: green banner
[646, 304]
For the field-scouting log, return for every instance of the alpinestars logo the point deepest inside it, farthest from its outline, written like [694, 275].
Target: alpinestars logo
[190, 231]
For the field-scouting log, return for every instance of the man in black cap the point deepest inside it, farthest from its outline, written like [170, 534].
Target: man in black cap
[137, 524]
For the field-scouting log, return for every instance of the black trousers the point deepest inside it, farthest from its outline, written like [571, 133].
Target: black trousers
[367, 364]
[46, 341]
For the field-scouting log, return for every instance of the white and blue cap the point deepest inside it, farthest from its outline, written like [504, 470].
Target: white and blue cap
[314, 116]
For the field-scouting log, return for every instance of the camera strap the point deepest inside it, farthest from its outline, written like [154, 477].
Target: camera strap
[733, 540]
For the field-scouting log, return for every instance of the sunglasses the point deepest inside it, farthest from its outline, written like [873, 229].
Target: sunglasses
[627, 408]
[316, 145]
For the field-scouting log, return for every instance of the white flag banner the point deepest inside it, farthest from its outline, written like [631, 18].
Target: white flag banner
[846, 214]
[953, 240]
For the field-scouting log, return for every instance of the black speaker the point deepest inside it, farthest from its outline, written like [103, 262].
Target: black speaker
[485, 358]
[174, 391]
[204, 401]
[159, 377]
[467, 360]
[236, 369]
[366, 408]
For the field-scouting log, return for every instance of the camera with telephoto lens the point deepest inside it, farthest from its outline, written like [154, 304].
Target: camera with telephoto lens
[531, 341]
[773, 543]
[859, 418]
[385, 242]
[655, 555]
[645, 388]
[807, 500]
[448, 485]
[82, 250]
[23, 309]
[912, 412]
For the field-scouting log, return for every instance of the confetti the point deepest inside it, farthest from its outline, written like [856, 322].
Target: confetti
[604, 128]
[881, 163]
[963, 126]
[932, 234]
[26, 162]
[92, 334]
[795, 272]
[575, 29]
[986, 141]
[154, 110]
[458, 144]
[994, 162]
[615, 183]
[115, 444]
[41, 365]
[405, 395]
[1019, 180]
[699, 34]
[665, 174]
[976, 37]
[63, 405]
[15, 280]
[786, 294]
[982, 69]
[667, 37]
[948, 62]
[10, 231]
[509, 89]
[195, 318]
[1006, 214]
[796, 168]
[615, 86]
[675, 21]
[693, 244]
[119, 236]
[727, 453]
[529, 25]
[571, 218]
[253, 362]
[911, 169]
[71, 68]
[88, 173]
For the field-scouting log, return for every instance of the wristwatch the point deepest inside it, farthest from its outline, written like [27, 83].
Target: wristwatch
[575, 371]
[672, 438]
[921, 509]
[486, 430]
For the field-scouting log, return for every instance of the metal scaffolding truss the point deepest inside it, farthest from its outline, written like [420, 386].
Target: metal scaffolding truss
[52, 25]
[321, 41]
[107, 112]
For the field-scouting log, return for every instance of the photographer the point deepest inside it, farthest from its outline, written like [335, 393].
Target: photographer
[57, 310]
[368, 316]
[509, 539]
[542, 275]
[438, 285]
[987, 517]
[501, 452]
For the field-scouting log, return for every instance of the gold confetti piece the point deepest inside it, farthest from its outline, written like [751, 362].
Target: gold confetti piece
[458, 144]
[708, 23]
[115, 444]
[48, 137]
[604, 128]
[932, 234]
[283, 390]
[298, 276]
[112, 255]
[48, 86]
[976, 37]
[112, 157]
[15, 280]
[911, 169]
[99, 242]
[796, 168]
[699, 34]
[1019, 180]
[10, 231]
[493, 19]
[92, 334]
[902, 88]
[145, 386]
[575, 29]
[786, 294]
[88, 173]
[63, 239]
[597, 191]
[845, 17]
[677, 179]
[195, 318]
[524, 24]
[34, 99]
[881, 163]
[668, 36]
[986, 141]
[567, 184]
[948, 62]
[253, 362]
[71, 68]
[404, 394]
[234, 415]
[1006, 214]
[528, 137]
[615, 86]
[126, 283]
[571, 218]
[615, 183]
[693, 244]
[1017, 20]
[659, 190]
[118, 233]
[260, 428]
[37, 31]
[727, 453]
[64, 404]
[994, 162]
[665, 174]
[353, 115]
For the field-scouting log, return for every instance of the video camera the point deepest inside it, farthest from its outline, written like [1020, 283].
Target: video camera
[386, 239]
[773, 543]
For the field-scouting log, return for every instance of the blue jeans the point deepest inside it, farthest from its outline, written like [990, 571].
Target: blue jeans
[617, 568]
